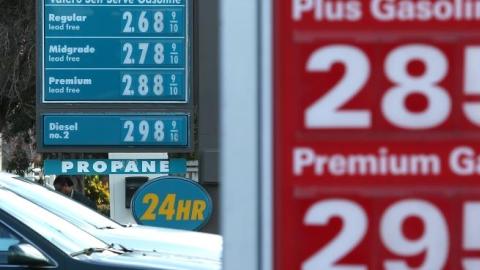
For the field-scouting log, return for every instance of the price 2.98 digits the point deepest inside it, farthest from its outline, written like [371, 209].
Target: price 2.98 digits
[150, 131]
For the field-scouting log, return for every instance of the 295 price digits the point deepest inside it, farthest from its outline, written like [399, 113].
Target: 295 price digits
[327, 111]
[433, 243]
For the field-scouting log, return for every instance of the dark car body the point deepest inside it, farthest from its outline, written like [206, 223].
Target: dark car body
[53, 243]
[205, 248]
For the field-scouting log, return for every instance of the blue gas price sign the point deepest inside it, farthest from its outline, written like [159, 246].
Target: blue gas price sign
[115, 51]
[152, 130]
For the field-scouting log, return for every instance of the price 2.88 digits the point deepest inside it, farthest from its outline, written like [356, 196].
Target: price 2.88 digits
[149, 84]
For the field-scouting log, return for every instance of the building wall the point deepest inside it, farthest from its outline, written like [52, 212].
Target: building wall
[118, 211]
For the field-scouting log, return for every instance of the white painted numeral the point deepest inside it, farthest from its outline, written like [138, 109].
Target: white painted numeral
[326, 112]
[143, 48]
[127, 15]
[434, 242]
[143, 129]
[158, 25]
[354, 228]
[439, 102]
[128, 48]
[143, 22]
[472, 83]
[127, 80]
[471, 233]
[129, 126]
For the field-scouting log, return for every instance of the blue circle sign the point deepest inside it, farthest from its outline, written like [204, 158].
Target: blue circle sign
[172, 202]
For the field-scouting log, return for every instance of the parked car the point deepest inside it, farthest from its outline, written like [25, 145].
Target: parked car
[203, 246]
[34, 238]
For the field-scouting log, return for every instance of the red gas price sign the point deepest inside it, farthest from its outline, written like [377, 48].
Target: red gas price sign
[377, 134]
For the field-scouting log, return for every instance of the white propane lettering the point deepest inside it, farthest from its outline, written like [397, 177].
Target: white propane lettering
[66, 166]
[82, 167]
[100, 166]
[116, 165]
[148, 166]
[131, 167]
[164, 166]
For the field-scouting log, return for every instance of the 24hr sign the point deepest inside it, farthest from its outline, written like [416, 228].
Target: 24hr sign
[377, 134]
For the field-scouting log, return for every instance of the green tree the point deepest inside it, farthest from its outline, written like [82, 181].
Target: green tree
[17, 79]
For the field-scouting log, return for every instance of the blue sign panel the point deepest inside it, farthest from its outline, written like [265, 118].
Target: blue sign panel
[131, 85]
[114, 166]
[115, 51]
[116, 130]
[172, 202]
[92, 54]
[127, 20]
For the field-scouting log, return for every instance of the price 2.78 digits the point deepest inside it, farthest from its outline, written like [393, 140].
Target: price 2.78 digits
[152, 53]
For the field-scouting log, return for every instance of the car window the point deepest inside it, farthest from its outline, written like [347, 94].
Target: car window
[56, 230]
[59, 204]
[7, 239]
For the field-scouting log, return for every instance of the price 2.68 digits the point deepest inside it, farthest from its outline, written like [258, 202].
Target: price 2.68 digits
[150, 22]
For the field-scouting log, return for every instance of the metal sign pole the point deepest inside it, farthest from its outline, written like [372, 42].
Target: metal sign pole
[239, 134]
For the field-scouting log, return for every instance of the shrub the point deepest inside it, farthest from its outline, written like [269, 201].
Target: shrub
[98, 191]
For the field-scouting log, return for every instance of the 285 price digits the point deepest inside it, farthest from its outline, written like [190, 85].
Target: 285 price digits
[433, 244]
[327, 111]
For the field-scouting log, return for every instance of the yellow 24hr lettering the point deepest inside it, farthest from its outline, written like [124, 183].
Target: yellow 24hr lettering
[171, 208]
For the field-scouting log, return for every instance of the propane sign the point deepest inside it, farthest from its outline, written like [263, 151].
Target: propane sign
[377, 134]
